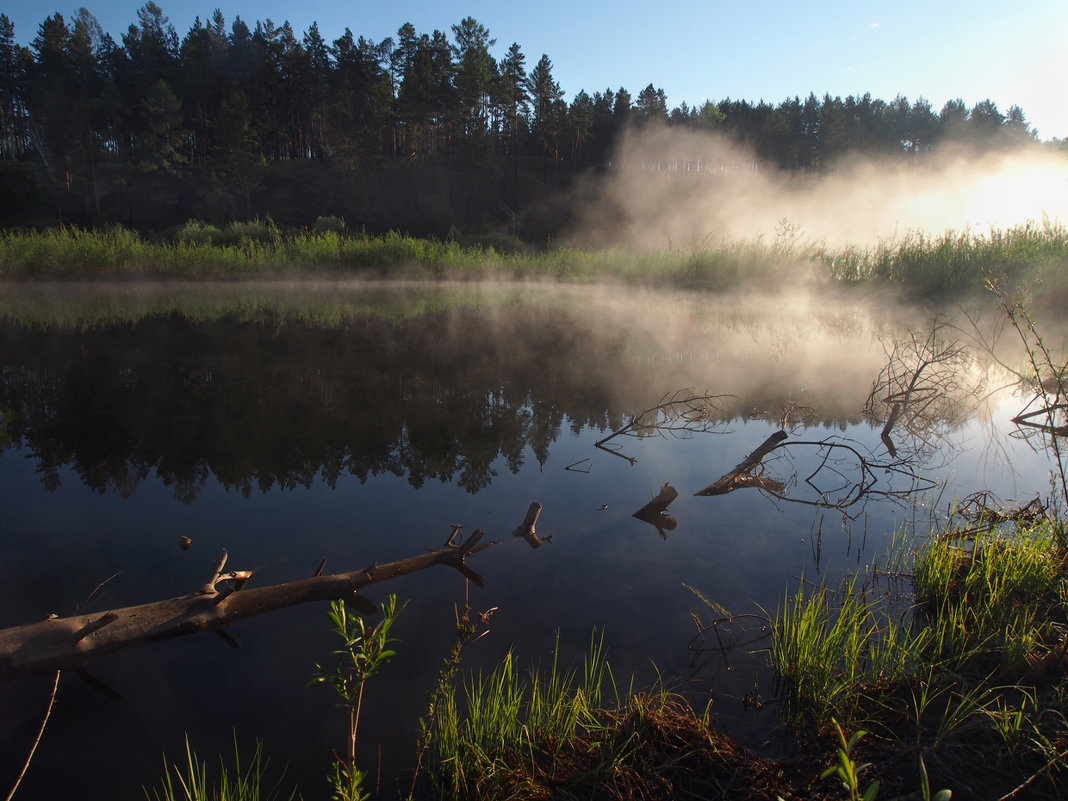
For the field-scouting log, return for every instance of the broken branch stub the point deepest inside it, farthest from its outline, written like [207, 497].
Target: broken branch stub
[655, 512]
[526, 528]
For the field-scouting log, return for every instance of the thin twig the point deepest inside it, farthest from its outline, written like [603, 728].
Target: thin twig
[1034, 776]
[40, 733]
[97, 589]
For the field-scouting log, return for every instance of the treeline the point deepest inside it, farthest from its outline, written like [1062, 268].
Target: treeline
[423, 132]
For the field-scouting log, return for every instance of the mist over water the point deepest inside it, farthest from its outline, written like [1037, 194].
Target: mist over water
[671, 188]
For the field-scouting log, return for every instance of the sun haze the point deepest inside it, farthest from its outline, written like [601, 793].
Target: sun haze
[681, 189]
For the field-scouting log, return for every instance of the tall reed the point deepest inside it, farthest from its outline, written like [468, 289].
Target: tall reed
[955, 261]
[510, 727]
[831, 648]
[243, 780]
[917, 262]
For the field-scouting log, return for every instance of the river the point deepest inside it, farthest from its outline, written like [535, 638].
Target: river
[291, 422]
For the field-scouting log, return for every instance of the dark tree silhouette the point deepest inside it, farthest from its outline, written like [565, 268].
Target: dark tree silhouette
[417, 132]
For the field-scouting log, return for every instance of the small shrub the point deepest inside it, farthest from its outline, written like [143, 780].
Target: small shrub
[197, 232]
[330, 224]
[263, 232]
[497, 241]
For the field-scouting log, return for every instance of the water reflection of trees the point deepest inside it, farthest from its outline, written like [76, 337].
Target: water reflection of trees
[262, 400]
[679, 414]
[268, 404]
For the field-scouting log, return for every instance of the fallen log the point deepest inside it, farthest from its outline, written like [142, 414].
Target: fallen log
[73, 642]
[741, 475]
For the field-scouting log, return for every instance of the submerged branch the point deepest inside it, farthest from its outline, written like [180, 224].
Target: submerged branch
[860, 482]
[742, 475]
[1050, 426]
[922, 388]
[37, 741]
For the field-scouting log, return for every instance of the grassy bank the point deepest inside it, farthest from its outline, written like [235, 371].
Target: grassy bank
[956, 260]
[918, 264]
[566, 733]
[971, 677]
[965, 689]
[262, 250]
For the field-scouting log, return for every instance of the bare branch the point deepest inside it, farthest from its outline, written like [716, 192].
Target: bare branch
[679, 413]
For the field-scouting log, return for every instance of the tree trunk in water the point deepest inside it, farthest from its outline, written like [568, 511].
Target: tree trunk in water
[74, 642]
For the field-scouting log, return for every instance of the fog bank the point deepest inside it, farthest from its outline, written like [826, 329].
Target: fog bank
[667, 187]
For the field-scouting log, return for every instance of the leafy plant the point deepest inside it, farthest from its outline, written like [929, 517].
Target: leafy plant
[466, 630]
[364, 652]
[331, 223]
[925, 786]
[847, 770]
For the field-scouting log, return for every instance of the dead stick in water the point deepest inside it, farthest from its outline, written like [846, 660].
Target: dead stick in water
[36, 742]
[739, 477]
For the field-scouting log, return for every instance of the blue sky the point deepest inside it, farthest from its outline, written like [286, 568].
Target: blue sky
[1013, 53]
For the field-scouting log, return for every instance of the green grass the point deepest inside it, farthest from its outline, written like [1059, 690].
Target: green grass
[956, 261]
[978, 673]
[995, 602]
[513, 726]
[832, 649]
[917, 263]
[242, 250]
[568, 733]
[242, 781]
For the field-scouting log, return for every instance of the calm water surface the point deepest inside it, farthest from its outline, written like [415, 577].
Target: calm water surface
[292, 422]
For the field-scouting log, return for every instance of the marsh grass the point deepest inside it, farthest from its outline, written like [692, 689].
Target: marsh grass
[833, 649]
[995, 601]
[512, 723]
[566, 732]
[244, 780]
[956, 261]
[976, 675]
[241, 250]
[918, 263]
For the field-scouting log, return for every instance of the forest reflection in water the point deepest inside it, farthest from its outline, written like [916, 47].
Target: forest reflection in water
[270, 398]
[288, 422]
